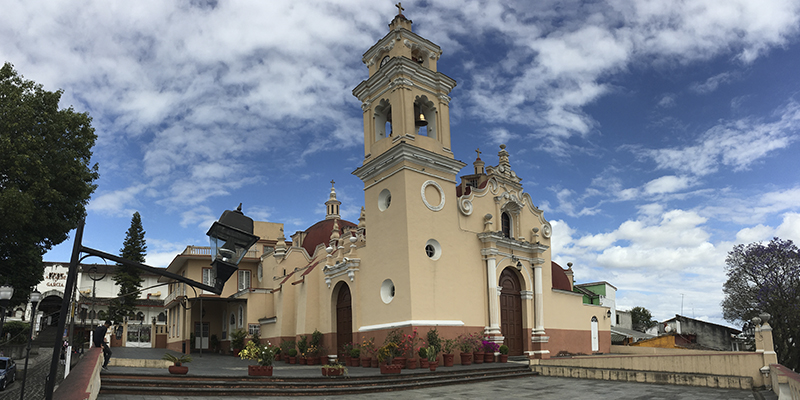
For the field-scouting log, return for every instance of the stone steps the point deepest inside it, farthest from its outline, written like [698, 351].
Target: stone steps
[298, 386]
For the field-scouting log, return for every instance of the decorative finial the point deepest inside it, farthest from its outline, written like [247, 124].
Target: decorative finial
[399, 8]
[332, 182]
[478, 150]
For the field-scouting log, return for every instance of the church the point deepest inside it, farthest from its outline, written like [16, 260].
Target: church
[431, 249]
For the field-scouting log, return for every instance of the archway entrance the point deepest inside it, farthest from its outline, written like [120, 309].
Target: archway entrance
[511, 312]
[344, 318]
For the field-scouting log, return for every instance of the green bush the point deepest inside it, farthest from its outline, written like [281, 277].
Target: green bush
[16, 331]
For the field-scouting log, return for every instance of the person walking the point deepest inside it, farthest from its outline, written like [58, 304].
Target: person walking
[100, 341]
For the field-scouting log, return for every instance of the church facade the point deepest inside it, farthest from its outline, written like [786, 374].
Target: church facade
[431, 249]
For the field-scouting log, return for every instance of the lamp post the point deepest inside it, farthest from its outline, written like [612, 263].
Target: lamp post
[231, 237]
[35, 297]
[6, 292]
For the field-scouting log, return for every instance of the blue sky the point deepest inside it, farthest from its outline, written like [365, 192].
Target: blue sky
[655, 134]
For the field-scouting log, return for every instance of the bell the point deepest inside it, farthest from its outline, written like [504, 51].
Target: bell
[420, 120]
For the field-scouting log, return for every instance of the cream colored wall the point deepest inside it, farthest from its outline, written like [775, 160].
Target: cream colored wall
[267, 230]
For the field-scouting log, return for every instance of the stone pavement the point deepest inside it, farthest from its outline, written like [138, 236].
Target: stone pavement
[539, 387]
[39, 367]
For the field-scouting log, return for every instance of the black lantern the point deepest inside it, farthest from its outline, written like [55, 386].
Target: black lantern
[231, 237]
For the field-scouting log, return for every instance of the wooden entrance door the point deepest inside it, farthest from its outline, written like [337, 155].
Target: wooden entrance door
[344, 318]
[511, 312]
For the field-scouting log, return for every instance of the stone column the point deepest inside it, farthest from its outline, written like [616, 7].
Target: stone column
[492, 291]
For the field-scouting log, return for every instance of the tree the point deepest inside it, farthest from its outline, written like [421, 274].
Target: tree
[766, 278]
[642, 319]
[45, 177]
[129, 278]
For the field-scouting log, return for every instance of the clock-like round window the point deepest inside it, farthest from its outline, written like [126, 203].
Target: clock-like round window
[433, 249]
[387, 291]
[432, 195]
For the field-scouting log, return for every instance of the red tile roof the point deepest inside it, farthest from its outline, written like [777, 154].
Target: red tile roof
[321, 233]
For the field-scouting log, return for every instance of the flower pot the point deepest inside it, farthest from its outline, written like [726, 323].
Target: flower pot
[401, 361]
[373, 363]
[365, 362]
[292, 360]
[448, 359]
[411, 363]
[423, 363]
[503, 358]
[488, 358]
[477, 357]
[302, 360]
[332, 371]
[278, 357]
[236, 352]
[390, 369]
[178, 369]
[432, 365]
[259, 370]
[466, 358]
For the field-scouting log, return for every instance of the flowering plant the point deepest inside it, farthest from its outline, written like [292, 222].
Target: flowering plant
[367, 346]
[490, 347]
[263, 354]
[386, 352]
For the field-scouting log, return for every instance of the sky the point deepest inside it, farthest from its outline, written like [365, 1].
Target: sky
[655, 134]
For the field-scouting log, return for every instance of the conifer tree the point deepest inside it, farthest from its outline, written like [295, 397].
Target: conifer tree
[129, 278]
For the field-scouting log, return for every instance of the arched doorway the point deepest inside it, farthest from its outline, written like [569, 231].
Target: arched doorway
[511, 312]
[344, 317]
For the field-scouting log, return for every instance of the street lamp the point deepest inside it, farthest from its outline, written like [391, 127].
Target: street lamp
[35, 297]
[6, 293]
[230, 237]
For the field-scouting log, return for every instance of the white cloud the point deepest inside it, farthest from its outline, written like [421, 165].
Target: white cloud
[712, 83]
[666, 184]
[736, 145]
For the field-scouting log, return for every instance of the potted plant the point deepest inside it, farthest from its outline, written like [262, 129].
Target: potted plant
[465, 345]
[287, 345]
[264, 354]
[177, 361]
[355, 356]
[385, 357]
[345, 355]
[213, 341]
[367, 351]
[237, 340]
[411, 345]
[432, 362]
[423, 357]
[316, 342]
[334, 369]
[503, 353]
[448, 345]
[302, 347]
[489, 348]
[434, 341]
[477, 348]
[292, 356]
[396, 338]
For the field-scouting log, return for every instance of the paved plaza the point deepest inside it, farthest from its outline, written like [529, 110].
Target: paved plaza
[539, 387]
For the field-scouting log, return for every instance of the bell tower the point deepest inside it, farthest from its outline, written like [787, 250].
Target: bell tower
[409, 174]
[405, 98]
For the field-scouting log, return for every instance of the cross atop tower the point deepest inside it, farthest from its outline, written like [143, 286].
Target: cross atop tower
[478, 150]
[399, 8]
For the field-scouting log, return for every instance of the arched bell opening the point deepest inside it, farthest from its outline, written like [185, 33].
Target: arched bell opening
[425, 117]
[383, 120]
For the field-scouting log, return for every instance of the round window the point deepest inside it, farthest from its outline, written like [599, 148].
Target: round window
[387, 291]
[433, 250]
[384, 199]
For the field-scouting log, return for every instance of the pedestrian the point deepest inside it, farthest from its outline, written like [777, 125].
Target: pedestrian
[100, 341]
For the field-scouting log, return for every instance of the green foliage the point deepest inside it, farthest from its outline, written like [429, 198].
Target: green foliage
[302, 344]
[17, 332]
[46, 177]
[237, 338]
[355, 352]
[434, 340]
[293, 352]
[422, 352]
[316, 338]
[287, 345]
[129, 278]
[503, 349]
[448, 346]
[264, 354]
[431, 353]
[177, 360]
[765, 277]
[642, 319]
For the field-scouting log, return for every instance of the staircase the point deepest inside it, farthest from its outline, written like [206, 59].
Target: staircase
[144, 385]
